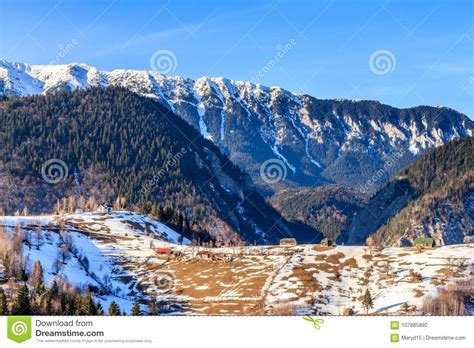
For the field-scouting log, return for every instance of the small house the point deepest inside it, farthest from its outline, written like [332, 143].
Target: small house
[424, 242]
[163, 251]
[468, 239]
[326, 242]
[288, 242]
[103, 208]
[79, 211]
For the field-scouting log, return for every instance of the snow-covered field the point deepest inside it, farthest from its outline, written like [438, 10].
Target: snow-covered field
[341, 275]
[108, 241]
[303, 279]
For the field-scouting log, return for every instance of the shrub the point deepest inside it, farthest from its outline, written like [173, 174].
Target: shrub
[451, 300]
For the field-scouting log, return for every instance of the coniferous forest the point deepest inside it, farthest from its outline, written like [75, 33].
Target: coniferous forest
[130, 151]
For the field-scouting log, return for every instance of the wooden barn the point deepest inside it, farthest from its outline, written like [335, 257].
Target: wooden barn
[288, 242]
[326, 242]
[424, 242]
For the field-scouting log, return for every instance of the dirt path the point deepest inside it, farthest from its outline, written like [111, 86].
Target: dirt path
[272, 277]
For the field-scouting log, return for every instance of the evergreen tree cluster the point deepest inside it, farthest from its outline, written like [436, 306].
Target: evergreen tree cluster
[328, 209]
[59, 299]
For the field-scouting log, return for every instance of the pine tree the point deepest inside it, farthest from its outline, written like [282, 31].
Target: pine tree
[114, 309]
[21, 305]
[152, 309]
[88, 306]
[3, 302]
[48, 302]
[68, 305]
[180, 222]
[100, 310]
[78, 305]
[136, 308]
[159, 213]
[36, 277]
[21, 276]
[367, 302]
[54, 287]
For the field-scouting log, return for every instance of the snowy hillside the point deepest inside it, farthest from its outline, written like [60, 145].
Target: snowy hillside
[97, 243]
[340, 277]
[317, 141]
[122, 265]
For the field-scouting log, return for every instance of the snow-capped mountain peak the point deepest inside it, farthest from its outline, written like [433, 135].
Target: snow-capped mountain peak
[318, 141]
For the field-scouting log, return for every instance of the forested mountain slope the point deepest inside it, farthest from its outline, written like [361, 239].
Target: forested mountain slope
[113, 144]
[433, 197]
[317, 141]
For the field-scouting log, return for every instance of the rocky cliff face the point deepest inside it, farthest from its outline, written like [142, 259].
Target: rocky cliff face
[314, 141]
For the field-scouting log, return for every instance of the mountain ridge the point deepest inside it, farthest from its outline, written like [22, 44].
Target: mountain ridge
[316, 141]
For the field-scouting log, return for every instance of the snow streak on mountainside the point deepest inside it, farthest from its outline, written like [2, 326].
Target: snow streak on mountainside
[319, 141]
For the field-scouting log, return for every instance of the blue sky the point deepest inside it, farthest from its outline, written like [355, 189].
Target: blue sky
[323, 48]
